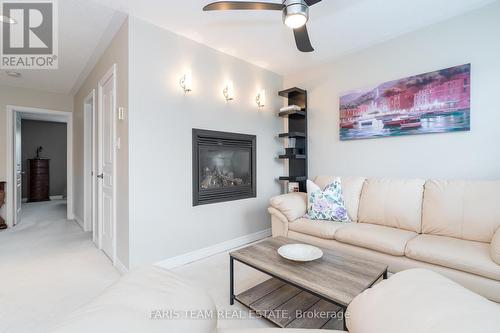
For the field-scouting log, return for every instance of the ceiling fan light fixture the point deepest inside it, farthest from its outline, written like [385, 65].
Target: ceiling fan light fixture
[295, 14]
[7, 20]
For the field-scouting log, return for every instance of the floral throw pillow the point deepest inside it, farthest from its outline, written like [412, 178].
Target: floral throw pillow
[327, 204]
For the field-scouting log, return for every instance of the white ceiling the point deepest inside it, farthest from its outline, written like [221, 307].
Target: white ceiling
[336, 27]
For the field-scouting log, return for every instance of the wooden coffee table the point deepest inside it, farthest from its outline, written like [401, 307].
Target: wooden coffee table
[304, 295]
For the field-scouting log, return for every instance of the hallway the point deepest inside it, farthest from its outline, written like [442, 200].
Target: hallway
[48, 267]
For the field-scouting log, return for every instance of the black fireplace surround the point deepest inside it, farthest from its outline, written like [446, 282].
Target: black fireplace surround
[224, 166]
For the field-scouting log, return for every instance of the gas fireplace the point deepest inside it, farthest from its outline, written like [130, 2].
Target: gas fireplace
[223, 166]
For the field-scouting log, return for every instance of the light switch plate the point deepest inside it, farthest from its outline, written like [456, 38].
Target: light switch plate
[121, 113]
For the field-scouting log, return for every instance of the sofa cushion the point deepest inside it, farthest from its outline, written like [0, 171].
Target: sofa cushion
[392, 203]
[468, 256]
[461, 209]
[417, 301]
[351, 190]
[292, 205]
[495, 247]
[317, 228]
[375, 237]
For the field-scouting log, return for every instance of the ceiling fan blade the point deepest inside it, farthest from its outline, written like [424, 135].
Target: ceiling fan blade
[312, 2]
[302, 39]
[239, 5]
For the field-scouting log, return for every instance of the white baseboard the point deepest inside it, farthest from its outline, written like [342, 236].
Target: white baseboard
[79, 221]
[212, 250]
[120, 267]
[52, 197]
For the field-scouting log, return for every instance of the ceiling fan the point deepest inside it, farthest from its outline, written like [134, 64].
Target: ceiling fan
[295, 15]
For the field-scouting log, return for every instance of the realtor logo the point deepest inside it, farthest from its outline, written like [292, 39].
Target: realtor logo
[29, 34]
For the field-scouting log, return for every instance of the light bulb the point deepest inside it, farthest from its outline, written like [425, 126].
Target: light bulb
[186, 82]
[295, 21]
[261, 99]
[229, 91]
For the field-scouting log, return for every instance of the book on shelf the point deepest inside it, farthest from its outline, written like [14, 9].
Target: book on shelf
[290, 108]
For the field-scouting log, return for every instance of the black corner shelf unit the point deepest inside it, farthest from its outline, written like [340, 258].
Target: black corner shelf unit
[297, 129]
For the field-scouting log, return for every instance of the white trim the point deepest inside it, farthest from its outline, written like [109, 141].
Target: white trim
[80, 222]
[110, 73]
[11, 110]
[120, 267]
[213, 250]
[52, 197]
[89, 162]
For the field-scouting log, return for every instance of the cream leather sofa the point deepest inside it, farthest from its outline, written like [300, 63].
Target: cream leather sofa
[410, 302]
[451, 227]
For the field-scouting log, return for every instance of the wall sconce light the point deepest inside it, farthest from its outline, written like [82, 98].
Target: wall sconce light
[261, 99]
[229, 91]
[186, 82]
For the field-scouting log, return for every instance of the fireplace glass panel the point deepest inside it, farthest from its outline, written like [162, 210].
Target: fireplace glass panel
[224, 167]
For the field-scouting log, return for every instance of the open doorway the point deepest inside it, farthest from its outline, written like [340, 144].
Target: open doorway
[39, 167]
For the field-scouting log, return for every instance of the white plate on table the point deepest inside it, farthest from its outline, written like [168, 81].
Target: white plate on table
[300, 252]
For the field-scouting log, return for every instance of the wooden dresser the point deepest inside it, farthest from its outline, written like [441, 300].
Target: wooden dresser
[2, 198]
[38, 180]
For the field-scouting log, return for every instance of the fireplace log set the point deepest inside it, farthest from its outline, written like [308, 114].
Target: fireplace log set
[216, 179]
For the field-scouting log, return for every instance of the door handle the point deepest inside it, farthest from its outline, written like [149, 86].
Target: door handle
[101, 176]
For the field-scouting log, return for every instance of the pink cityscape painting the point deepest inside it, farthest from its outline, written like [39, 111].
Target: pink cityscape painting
[435, 102]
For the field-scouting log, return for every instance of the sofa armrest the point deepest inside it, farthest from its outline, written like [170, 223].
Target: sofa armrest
[291, 205]
[279, 223]
[495, 247]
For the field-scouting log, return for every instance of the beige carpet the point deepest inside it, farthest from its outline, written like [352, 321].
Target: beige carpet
[213, 275]
[48, 268]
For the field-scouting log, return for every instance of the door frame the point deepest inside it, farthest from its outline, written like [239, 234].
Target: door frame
[111, 73]
[11, 112]
[89, 160]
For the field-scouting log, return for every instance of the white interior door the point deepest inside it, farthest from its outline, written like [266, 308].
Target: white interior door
[90, 188]
[18, 169]
[88, 164]
[107, 130]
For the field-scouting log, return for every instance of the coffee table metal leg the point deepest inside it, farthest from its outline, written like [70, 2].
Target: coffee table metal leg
[231, 281]
[385, 275]
[344, 320]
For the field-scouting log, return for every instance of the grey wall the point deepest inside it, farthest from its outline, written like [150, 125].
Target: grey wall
[52, 137]
[471, 38]
[116, 53]
[163, 222]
